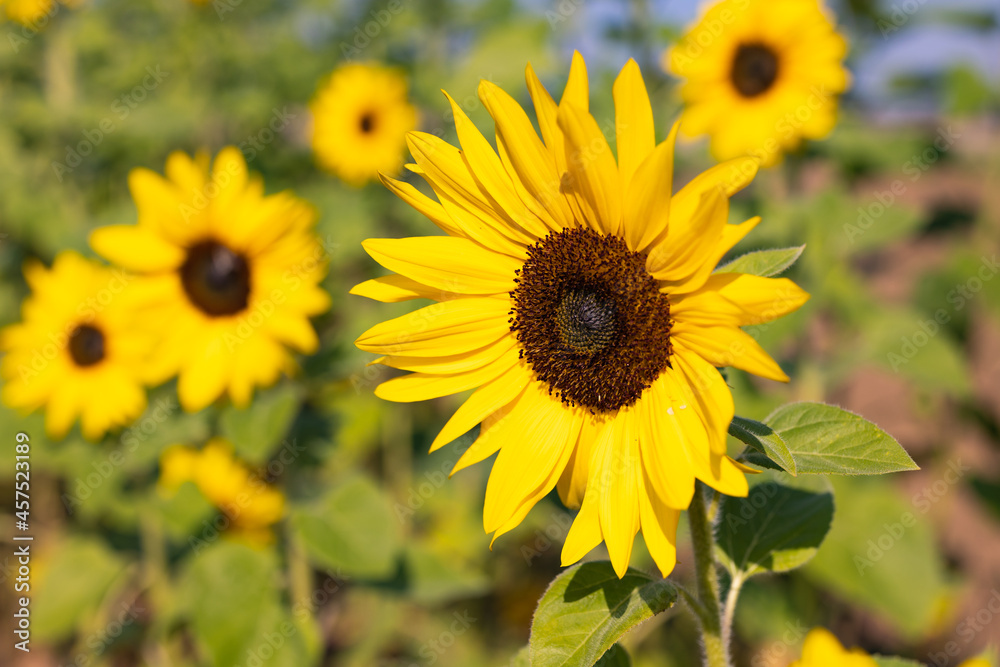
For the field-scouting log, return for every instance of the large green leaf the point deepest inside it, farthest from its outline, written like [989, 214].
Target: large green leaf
[615, 657]
[351, 530]
[881, 554]
[763, 262]
[256, 431]
[64, 599]
[588, 608]
[764, 440]
[433, 578]
[777, 527]
[827, 439]
[229, 587]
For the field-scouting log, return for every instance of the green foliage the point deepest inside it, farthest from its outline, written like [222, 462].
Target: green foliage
[763, 262]
[889, 661]
[233, 605]
[878, 550]
[64, 600]
[765, 441]
[257, 431]
[827, 439]
[615, 657]
[587, 608]
[351, 530]
[778, 527]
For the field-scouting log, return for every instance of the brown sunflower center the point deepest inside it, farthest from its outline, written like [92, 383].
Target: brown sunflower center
[591, 321]
[755, 69]
[86, 345]
[216, 279]
[367, 123]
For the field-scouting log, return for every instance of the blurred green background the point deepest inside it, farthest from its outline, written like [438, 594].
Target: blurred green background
[379, 559]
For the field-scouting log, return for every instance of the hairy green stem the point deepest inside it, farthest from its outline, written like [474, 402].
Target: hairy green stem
[716, 650]
[729, 611]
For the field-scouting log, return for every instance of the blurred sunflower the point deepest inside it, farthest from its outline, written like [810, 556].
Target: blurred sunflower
[77, 351]
[578, 295]
[31, 12]
[822, 649]
[229, 276]
[761, 76]
[251, 504]
[361, 115]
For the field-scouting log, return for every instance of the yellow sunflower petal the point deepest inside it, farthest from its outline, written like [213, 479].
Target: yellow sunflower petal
[593, 174]
[681, 261]
[577, 91]
[518, 142]
[479, 219]
[634, 132]
[488, 169]
[492, 436]
[614, 477]
[136, 248]
[661, 446]
[423, 386]
[447, 263]
[452, 363]
[659, 528]
[728, 346]
[739, 299]
[648, 200]
[712, 399]
[485, 401]
[452, 327]
[395, 288]
[573, 483]
[429, 208]
[541, 433]
[585, 533]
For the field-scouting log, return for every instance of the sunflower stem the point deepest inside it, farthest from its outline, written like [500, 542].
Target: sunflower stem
[729, 610]
[716, 650]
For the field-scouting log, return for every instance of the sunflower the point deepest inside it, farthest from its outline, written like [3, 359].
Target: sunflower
[229, 276]
[33, 14]
[822, 649]
[761, 76]
[360, 119]
[250, 503]
[578, 295]
[78, 351]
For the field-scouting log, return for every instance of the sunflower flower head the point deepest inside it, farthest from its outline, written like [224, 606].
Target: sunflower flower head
[78, 351]
[34, 14]
[760, 76]
[230, 276]
[361, 114]
[822, 649]
[248, 501]
[577, 297]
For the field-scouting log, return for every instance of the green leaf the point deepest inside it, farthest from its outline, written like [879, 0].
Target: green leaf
[521, 659]
[257, 430]
[893, 661]
[827, 439]
[587, 608]
[433, 578]
[777, 527]
[615, 657]
[351, 530]
[64, 599]
[229, 587]
[763, 439]
[879, 548]
[763, 262]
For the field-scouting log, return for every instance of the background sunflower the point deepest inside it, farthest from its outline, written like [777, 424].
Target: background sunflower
[378, 558]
